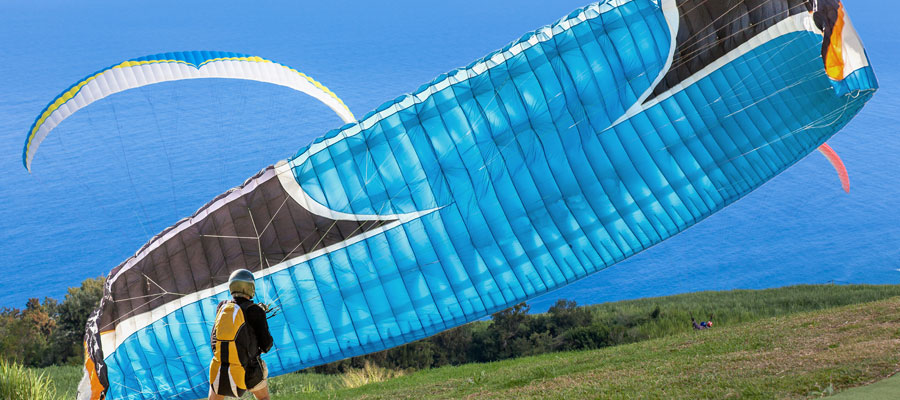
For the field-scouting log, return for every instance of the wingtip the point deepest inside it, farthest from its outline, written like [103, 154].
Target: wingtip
[838, 165]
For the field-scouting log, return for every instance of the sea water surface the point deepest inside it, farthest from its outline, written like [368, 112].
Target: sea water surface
[123, 169]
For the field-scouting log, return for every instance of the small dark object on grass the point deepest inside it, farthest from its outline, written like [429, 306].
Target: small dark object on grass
[701, 325]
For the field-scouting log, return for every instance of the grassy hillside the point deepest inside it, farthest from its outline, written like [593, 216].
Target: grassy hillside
[799, 356]
[740, 306]
[793, 342]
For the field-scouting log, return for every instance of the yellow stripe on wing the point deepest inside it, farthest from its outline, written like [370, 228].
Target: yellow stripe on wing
[307, 77]
[69, 94]
[249, 59]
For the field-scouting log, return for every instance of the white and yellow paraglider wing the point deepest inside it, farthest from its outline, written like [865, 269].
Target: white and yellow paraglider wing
[169, 67]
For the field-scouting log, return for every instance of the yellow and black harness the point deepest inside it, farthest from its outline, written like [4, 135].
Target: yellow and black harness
[231, 345]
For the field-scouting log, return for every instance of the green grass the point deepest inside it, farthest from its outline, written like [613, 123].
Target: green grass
[795, 342]
[805, 355]
[64, 378]
[888, 389]
[740, 306]
[296, 386]
[17, 382]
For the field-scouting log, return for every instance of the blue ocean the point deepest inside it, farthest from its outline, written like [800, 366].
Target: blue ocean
[128, 166]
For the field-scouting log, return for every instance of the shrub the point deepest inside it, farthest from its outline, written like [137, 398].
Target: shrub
[566, 314]
[585, 337]
[369, 373]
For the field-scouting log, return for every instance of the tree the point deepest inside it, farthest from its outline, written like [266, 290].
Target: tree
[49, 333]
[26, 335]
[453, 346]
[565, 315]
[73, 314]
[509, 325]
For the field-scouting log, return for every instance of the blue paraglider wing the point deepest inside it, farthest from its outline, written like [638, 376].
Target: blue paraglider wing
[567, 151]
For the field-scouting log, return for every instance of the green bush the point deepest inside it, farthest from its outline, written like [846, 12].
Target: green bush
[565, 315]
[17, 382]
[584, 338]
